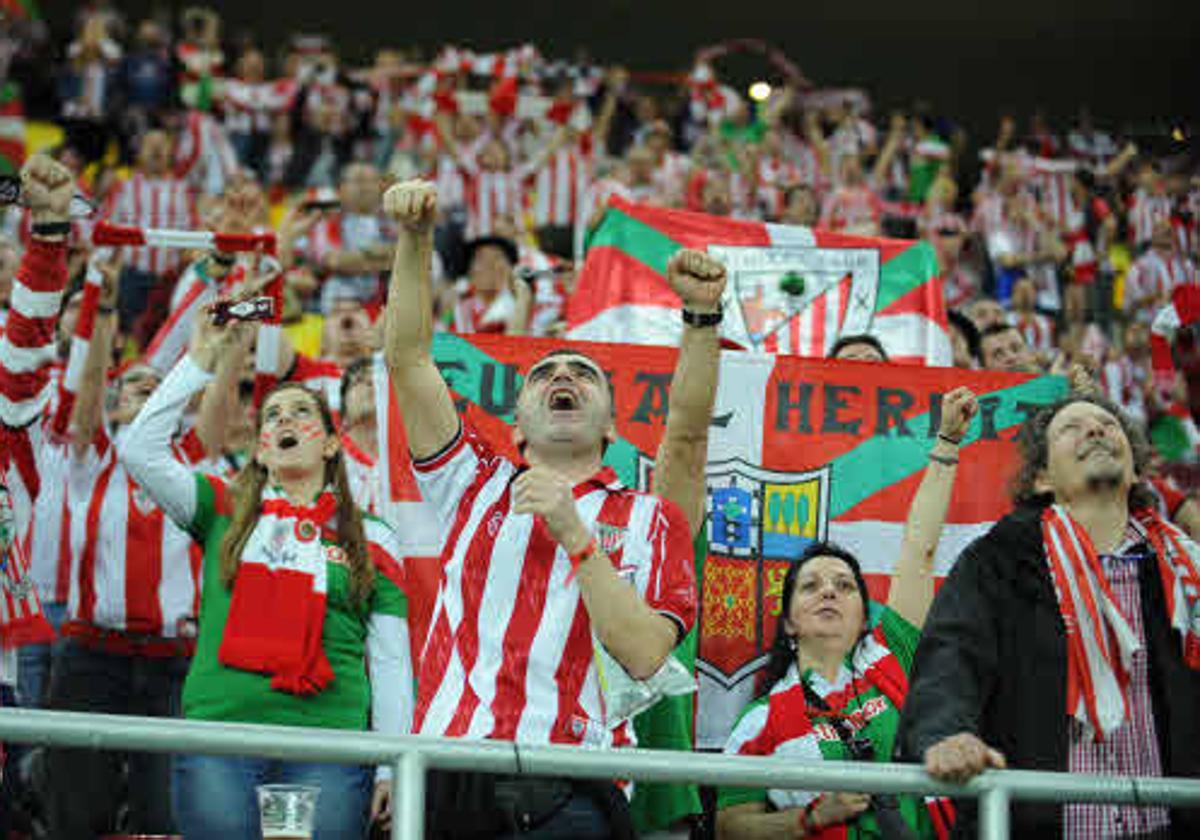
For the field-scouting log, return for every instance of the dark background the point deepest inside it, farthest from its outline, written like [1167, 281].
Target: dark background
[1136, 63]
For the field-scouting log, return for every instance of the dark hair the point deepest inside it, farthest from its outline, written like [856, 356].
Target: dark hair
[1032, 445]
[350, 374]
[994, 330]
[970, 332]
[782, 655]
[570, 351]
[859, 338]
[246, 498]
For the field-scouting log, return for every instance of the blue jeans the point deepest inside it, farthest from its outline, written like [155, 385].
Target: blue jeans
[215, 798]
[33, 667]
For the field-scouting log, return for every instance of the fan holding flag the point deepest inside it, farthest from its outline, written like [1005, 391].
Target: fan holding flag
[301, 593]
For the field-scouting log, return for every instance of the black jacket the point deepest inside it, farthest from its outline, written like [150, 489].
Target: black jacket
[993, 658]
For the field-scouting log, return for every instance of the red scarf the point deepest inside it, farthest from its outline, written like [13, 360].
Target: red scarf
[277, 610]
[1100, 639]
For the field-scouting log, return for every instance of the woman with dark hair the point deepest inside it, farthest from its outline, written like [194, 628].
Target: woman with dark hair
[836, 677]
[293, 606]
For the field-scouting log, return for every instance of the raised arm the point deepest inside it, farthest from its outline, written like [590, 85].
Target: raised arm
[146, 450]
[912, 579]
[430, 420]
[679, 467]
[220, 397]
[88, 412]
[891, 147]
[27, 344]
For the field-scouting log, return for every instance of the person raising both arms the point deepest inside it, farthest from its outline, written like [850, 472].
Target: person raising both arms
[299, 597]
[596, 568]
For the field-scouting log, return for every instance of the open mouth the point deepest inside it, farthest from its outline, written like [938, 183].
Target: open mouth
[288, 440]
[563, 399]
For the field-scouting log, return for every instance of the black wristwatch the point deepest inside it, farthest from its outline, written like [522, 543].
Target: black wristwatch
[703, 319]
[50, 228]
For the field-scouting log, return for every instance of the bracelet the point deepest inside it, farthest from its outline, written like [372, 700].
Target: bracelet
[50, 228]
[703, 319]
[578, 557]
[808, 822]
[949, 440]
[948, 460]
[223, 259]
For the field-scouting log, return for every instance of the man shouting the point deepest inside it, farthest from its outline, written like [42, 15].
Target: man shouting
[546, 561]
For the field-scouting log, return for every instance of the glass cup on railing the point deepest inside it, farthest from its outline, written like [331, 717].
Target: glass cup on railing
[287, 811]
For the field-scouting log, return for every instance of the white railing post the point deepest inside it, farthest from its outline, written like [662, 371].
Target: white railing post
[994, 814]
[408, 796]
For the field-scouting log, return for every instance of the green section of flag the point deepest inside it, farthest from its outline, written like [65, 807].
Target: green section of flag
[668, 725]
[912, 267]
[645, 243]
[879, 462]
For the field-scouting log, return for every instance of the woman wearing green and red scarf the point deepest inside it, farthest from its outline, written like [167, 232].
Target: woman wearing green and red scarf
[299, 595]
[836, 679]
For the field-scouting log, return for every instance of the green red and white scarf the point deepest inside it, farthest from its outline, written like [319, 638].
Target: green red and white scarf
[277, 610]
[1100, 639]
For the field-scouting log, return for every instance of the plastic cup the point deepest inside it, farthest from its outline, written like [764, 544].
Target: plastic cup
[287, 811]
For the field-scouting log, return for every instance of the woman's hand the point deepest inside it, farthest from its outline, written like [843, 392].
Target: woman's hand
[840, 806]
[381, 803]
[958, 407]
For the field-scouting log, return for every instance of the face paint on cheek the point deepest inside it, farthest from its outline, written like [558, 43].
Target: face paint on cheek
[264, 440]
[310, 430]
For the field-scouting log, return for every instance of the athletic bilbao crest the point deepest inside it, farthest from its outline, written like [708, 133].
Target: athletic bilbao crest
[797, 299]
[759, 520]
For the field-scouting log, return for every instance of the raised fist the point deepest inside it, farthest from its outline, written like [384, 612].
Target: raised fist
[698, 279]
[958, 407]
[47, 187]
[412, 203]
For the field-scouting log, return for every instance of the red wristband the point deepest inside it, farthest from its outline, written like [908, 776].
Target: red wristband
[581, 555]
[807, 824]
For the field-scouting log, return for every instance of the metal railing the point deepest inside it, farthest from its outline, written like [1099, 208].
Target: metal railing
[411, 755]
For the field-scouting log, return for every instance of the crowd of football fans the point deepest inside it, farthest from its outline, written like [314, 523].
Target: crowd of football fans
[1057, 249]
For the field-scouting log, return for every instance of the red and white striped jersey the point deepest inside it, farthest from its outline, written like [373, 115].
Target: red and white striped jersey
[558, 188]
[165, 202]
[204, 157]
[1145, 212]
[133, 569]
[27, 358]
[510, 651]
[1187, 236]
[472, 314]
[1037, 329]
[489, 195]
[1154, 274]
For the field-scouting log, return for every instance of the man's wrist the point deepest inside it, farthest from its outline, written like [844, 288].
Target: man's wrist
[701, 317]
[576, 540]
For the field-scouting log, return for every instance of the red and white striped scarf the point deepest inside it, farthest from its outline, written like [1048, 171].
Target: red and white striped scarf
[21, 618]
[277, 609]
[1100, 639]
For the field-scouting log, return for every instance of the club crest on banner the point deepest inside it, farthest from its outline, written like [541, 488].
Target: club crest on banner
[803, 296]
[759, 520]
